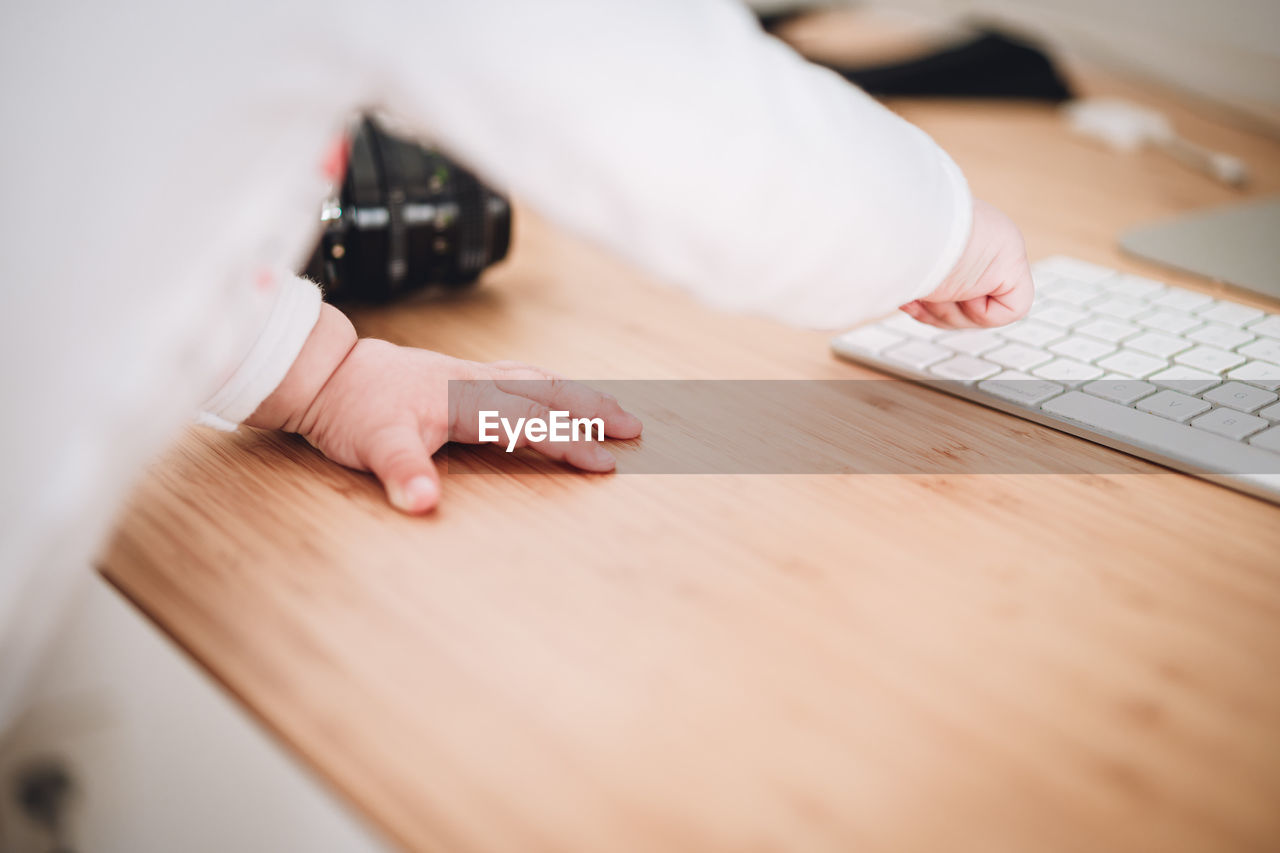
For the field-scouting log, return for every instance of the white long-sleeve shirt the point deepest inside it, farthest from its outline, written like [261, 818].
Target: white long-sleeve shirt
[162, 176]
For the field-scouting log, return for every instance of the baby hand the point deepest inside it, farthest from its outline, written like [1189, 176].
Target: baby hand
[387, 409]
[991, 283]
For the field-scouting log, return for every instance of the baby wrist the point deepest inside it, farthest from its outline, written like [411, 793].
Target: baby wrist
[328, 345]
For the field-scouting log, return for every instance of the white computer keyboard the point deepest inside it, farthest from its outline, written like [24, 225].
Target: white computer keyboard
[1162, 372]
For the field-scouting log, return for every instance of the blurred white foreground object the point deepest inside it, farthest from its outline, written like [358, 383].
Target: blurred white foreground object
[1125, 126]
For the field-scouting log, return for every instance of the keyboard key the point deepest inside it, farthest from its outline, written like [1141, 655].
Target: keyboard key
[1112, 331]
[1123, 391]
[1269, 327]
[1157, 344]
[1074, 293]
[870, 339]
[1185, 379]
[1020, 388]
[1269, 440]
[1174, 406]
[1043, 281]
[1134, 287]
[1156, 435]
[966, 368]
[1271, 413]
[972, 341]
[1209, 359]
[1181, 299]
[1059, 314]
[1018, 356]
[1229, 313]
[1031, 333]
[1264, 349]
[1074, 268]
[1068, 372]
[1230, 423]
[1237, 395]
[1118, 307]
[917, 354]
[1164, 320]
[1260, 373]
[911, 327]
[1222, 337]
[1132, 364]
[1082, 348]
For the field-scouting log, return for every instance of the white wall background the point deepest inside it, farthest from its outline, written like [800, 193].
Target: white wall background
[1227, 51]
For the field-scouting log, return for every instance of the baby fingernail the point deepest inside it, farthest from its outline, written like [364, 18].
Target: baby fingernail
[418, 493]
[602, 458]
[628, 422]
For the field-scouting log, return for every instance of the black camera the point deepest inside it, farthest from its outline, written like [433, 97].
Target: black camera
[405, 219]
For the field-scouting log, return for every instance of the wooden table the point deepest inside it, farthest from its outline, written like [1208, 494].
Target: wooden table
[872, 663]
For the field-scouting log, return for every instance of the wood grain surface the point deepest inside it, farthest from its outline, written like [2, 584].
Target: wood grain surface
[713, 662]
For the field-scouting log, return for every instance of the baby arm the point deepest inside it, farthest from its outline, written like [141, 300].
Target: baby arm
[676, 133]
[374, 406]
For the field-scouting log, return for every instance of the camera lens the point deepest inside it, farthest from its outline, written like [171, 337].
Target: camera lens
[407, 219]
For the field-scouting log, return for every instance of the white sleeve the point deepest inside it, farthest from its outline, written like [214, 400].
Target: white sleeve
[289, 322]
[678, 134]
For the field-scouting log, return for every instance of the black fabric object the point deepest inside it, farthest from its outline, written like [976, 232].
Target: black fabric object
[992, 65]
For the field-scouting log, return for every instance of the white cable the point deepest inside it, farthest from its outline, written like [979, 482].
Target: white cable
[1125, 126]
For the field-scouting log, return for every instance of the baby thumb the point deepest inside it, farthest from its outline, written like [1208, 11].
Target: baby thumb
[400, 459]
